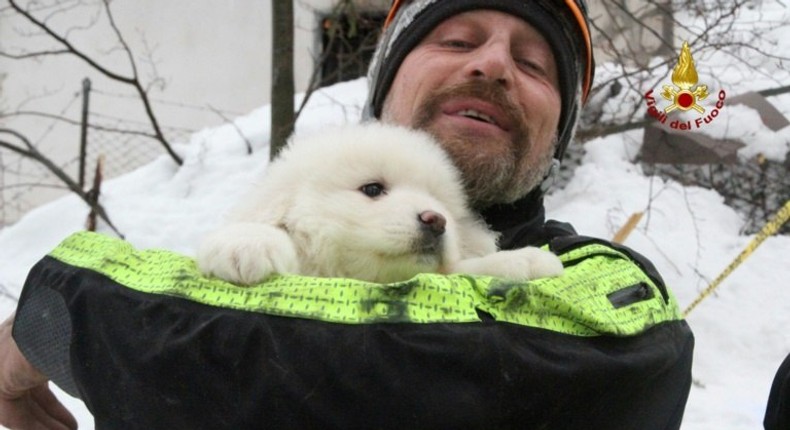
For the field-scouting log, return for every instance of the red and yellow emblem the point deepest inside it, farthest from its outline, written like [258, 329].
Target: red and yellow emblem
[685, 93]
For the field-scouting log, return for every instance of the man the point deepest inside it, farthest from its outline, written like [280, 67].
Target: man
[499, 83]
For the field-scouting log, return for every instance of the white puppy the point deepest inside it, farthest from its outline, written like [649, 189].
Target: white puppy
[373, 202]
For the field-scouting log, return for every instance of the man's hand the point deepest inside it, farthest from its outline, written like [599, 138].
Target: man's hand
[25, 399]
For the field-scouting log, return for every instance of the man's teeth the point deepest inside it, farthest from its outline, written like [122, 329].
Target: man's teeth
[471, 113]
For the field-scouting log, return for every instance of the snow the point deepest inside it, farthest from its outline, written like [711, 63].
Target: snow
[688, 233]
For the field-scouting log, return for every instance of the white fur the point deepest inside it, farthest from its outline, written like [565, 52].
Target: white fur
[308, 216]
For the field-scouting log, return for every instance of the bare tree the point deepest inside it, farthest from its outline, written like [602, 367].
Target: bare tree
[40, 26]
[641, 39]
[282, 75]
[26, 149]
[638, 43]
[343, 37]
[63, 46]
[341, 29]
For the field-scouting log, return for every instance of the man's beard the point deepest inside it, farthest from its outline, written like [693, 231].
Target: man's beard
[489, 179]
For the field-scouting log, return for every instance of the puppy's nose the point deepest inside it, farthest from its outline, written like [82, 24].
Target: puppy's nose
[433, 222]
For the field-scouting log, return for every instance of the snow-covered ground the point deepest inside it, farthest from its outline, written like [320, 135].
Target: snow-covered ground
[691, 236]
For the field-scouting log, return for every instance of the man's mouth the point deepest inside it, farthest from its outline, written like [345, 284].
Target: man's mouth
[478, 110]
[477, 115]
[480, 102]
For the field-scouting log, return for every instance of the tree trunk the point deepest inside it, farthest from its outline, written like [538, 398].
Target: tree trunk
[667, 30]
[282, 75]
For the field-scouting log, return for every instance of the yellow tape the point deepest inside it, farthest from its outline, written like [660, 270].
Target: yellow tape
[771, 227]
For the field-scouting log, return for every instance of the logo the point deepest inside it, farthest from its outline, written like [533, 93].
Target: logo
[684, 95]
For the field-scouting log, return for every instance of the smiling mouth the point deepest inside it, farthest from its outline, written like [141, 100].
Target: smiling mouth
[477, 115]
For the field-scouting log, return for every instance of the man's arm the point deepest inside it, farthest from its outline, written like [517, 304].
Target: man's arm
[25, 399]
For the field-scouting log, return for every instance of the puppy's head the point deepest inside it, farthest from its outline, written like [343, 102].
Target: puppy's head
[371, 202]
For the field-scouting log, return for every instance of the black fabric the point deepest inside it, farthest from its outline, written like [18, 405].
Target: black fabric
[777, 411]
[45, 317]
[523, 223]
[153, 362]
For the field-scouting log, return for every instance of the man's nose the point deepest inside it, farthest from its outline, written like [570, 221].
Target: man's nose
[492, 61]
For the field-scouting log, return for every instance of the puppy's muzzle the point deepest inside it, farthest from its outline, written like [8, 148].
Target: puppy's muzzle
[432, 227]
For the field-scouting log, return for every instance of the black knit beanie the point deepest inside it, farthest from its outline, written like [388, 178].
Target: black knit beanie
[563, 23]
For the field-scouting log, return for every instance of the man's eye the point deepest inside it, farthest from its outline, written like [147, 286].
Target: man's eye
[454, 43]
[373, 189]
[531, 65]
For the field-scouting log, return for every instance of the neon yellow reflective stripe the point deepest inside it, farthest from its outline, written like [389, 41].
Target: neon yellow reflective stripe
[575, 303]
[427, 298]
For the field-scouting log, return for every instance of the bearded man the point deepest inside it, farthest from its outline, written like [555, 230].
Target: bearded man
[500, 84]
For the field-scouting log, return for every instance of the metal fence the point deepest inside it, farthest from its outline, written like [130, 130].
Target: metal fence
[25, 183]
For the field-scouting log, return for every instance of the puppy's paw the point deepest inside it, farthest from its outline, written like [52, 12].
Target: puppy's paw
[247, 253]
[519, 264]
[536, 262]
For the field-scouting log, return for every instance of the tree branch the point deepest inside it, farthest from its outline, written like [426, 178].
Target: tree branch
[235, 127]
[110, 74]
[76, 123]
[31, 152]
[133, 80]
[34, 54]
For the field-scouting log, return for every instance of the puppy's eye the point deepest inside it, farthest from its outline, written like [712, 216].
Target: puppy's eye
[373, 189]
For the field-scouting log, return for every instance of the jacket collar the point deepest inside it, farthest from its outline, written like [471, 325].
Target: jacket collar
[524, 216]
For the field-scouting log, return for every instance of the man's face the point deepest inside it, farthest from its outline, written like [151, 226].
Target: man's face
[485, 84]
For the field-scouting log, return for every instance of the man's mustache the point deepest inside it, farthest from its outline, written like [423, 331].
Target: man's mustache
[482, 89]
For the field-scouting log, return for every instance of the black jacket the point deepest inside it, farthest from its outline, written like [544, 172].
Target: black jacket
[160, 361]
